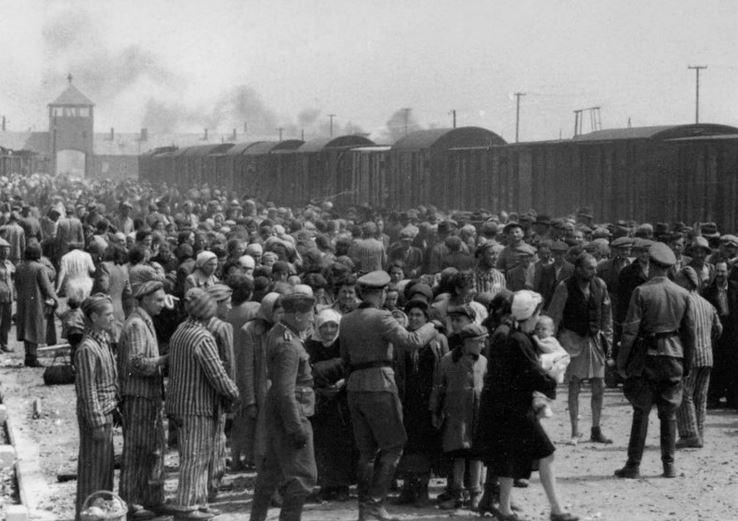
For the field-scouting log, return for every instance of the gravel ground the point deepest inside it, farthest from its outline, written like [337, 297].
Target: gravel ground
[705, 490]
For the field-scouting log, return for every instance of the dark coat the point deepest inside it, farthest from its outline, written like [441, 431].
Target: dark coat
[34, 288]
[630, 278]
[548, 280]
[510, 436]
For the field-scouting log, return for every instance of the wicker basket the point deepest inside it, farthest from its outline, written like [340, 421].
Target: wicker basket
[118, 515]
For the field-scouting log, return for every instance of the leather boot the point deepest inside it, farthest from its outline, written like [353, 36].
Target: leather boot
[260, 507]
[407, 494]
[291, 508]
[422, 499]
[375, 511]
[383, 475]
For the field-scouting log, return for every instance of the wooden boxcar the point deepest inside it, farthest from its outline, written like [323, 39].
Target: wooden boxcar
[259, 168]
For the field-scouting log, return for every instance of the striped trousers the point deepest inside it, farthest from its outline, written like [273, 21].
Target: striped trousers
[217, 466]
[95, 465]
[142, 464]
[195, 439]
[691, 413]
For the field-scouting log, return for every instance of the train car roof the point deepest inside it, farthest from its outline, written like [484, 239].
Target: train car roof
[158, 151]
[660, 133]
[316, 145]
[203, 150]
[266, 147]
[240, 148]
[372, 148]
[447, 138]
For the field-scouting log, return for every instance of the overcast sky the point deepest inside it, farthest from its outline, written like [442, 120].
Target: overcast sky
[185, 65]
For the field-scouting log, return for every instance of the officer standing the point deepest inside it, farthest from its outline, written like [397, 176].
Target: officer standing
[367, 337]
[656, 352]
[290, 459]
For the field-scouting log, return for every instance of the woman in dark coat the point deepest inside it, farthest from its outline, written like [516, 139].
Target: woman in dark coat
[511, 435]
[35, 295]
[335, 453]
[414, 377]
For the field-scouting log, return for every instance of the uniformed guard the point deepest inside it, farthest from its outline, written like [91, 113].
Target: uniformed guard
[290, 459]
[656, 352]
[367, 337]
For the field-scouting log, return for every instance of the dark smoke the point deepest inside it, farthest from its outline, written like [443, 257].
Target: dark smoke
[396, 126]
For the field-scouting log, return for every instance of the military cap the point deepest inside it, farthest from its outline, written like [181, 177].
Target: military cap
[462, 309]
[641, 244]
[601, 233]
[525, 249]
[729, 240]
[701, 242]
[374, 279]
[418, 290]
[559, 246]
[660, 253]
[4, 243]
[622, 242]
[298, 302]
[473, 331]
[147, 288]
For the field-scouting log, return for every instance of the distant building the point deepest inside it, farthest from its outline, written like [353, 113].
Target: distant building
[72, 146]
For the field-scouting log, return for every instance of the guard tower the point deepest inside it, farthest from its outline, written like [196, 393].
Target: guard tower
[71, 124]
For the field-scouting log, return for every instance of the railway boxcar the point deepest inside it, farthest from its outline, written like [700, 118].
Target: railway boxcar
[362, 178]
[261, 166]
[419, 166]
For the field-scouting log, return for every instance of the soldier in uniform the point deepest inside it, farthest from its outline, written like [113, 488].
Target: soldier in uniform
[367, 337]
[656, 352]
[289, 463]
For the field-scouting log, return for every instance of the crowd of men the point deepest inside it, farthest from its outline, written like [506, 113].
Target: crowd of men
[190, 312]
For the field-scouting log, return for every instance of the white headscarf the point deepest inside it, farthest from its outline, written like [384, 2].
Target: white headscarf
[324, 317]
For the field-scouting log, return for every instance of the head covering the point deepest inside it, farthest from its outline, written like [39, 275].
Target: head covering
[199, 304]
[701, 242]
[95, 303]
[374, 280]
[247, 262]
[4, 243]
[473, 330]
[269, 303]
[203, 257]
[661, 254]
[689, 273]
[304, 289]
[622, 242]
[254, 248]
[462, 309]
[220, 292]
[298, 302]
[525, 303]
[326, 316]
[146, 288]
[729, 240]
[641, 244]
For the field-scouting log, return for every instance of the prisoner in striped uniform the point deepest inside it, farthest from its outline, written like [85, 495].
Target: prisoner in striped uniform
[96, 384]
[691, 413]
[198, 384]
[223, 333]
[142, 394]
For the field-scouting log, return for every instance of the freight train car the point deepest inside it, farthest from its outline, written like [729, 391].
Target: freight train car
[260, 166]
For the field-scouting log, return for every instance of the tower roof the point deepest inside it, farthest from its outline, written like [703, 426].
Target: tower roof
[72, 96]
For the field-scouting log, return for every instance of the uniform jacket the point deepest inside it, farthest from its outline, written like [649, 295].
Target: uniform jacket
[658, 306]
[367, 336]
[291, 397]
[33, 288]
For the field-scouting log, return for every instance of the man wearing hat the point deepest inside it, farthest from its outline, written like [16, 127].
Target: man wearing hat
[223, 333]
[16, 237]
[7, 294]
[198, 386]
[290, 459]
[700, 251]
[550, 276]
[632, 276]
[609, 271]
[523, 275]
[368, 337]
[410, 255]
[142, 394]
[655, 354]
[508, 257]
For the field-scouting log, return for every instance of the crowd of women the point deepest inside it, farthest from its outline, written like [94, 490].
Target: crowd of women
[481, 278]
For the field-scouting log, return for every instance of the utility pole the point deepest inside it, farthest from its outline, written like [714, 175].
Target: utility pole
[453, 115]
[697, 69]
[331, 116]
[517, 114]
[280, 129]
[407, 115]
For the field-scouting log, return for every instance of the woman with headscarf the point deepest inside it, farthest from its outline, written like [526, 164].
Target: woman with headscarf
[203, 276]
[511, 434]
[414, 378]
[248, 431]
[335, 452]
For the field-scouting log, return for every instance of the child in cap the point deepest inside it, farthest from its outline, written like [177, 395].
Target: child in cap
[554, 360]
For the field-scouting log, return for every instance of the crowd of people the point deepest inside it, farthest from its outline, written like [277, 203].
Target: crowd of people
[327, 349]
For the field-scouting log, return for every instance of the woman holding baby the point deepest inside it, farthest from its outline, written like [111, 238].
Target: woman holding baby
[511, 436]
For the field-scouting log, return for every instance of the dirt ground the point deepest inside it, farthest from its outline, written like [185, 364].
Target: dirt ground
[707, 488]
